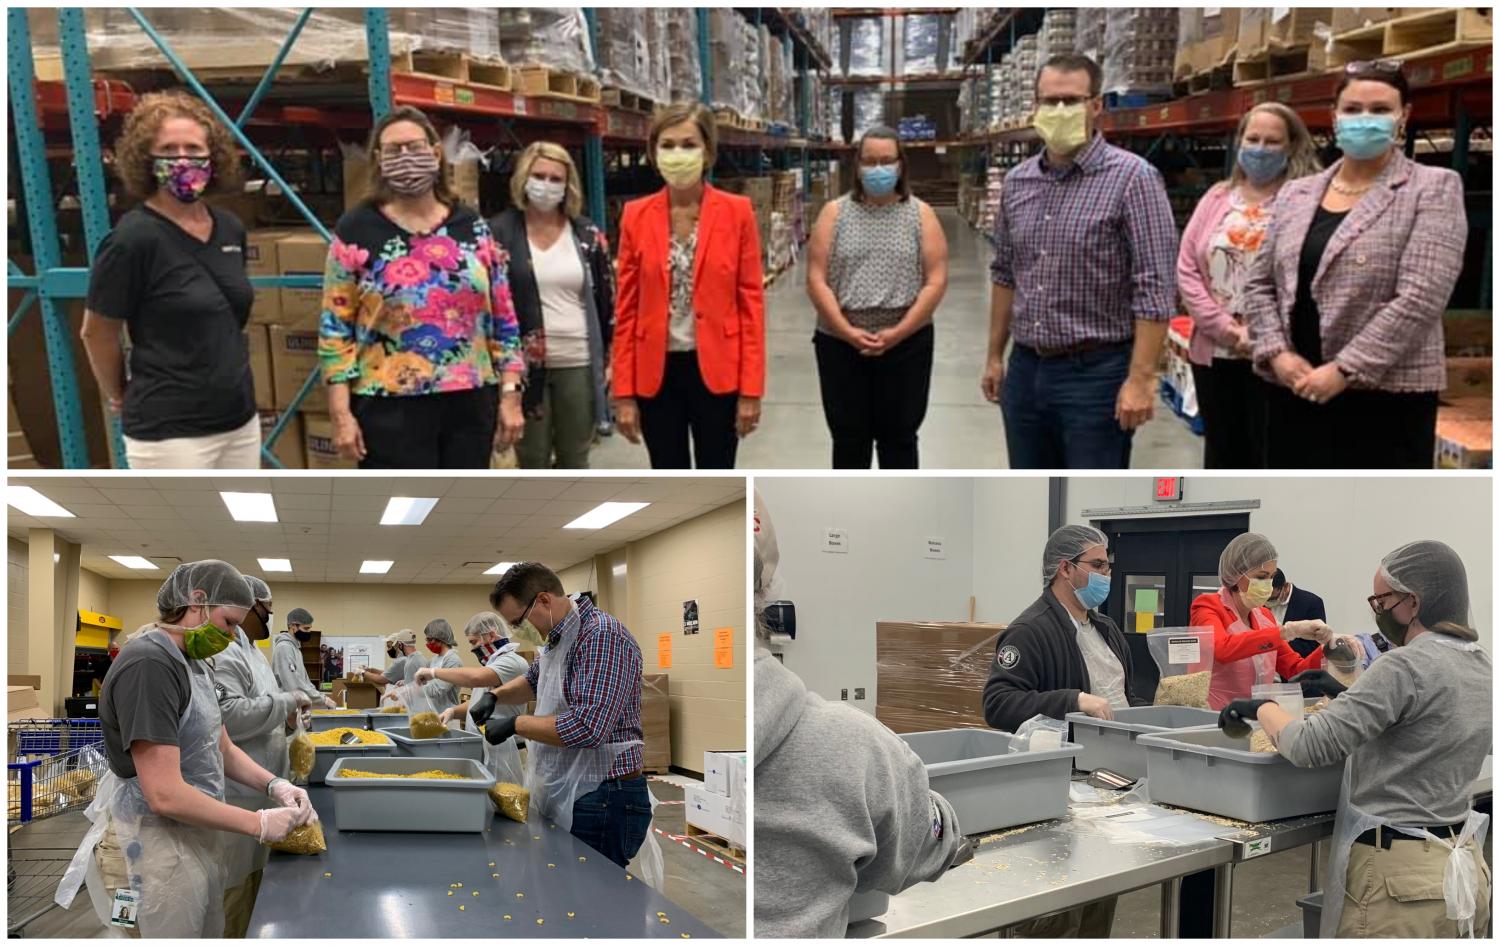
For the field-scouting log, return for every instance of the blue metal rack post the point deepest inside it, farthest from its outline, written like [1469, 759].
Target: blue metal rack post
[378, 39]
[593, 144]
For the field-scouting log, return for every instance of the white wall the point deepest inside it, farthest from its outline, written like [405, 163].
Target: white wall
[884, 575]
[1331, 532]
[1010, 529]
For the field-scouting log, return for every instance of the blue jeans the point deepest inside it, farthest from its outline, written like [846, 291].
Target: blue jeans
[613, 819]
[1060, 412]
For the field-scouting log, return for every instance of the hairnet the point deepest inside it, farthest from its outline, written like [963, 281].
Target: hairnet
[299, 616]
[768, 587]
[1244, 554]
[259, 590]
[1066, 543]
[1435, 574]
[485, 622]
[207, 584]
[438, 629]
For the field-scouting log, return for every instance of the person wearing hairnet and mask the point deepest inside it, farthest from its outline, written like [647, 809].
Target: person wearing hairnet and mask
[159, 811]
[442, 694]
[842, 804]
[1250, 648]
[501, 664]
[257, 714]
[286, 659]
[401, 648]
[1412, 732]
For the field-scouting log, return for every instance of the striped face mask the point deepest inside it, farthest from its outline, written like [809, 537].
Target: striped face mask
[410, 175]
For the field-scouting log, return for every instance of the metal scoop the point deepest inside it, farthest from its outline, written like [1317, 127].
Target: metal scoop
[348, 739]
[1343, 662]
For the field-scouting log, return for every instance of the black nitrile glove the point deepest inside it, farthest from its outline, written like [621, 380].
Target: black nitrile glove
[1235, 719]
[964, 854]
[1320, 681]
[497, 731]
[482, 707]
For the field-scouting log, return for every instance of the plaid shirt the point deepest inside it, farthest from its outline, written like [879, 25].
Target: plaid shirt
[1089, 250]
[602, 684]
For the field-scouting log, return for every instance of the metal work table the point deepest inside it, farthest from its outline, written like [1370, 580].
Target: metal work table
[396, 884]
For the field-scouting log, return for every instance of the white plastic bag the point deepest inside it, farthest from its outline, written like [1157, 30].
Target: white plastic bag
[1039, 733]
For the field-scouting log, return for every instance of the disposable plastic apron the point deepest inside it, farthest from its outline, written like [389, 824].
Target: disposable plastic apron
[1233, 680]
[1460, 878]
[245, 855]
[176, 868]
[559, 776]
[504, 760]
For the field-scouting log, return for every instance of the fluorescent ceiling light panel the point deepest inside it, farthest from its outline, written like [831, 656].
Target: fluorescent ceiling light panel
[499, 568]
[605, 514]
[35, 504]
[406, 511]
[275, 564]
[250, 507]
[134, 561]
[375, 568]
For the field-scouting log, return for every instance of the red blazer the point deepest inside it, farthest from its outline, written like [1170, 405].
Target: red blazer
[1209, 610]
[728, 297]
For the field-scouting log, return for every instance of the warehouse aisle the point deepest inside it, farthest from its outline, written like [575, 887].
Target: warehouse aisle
[962, 430]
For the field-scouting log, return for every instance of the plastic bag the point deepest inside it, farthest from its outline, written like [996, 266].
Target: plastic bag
[307, 839]
[1185, 658]
[301, 753]
[511, 800]
[1039, 733]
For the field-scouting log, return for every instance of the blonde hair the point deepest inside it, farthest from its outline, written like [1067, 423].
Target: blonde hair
[572, 204]
[133, 147]
[698, 114]
[1301, 153]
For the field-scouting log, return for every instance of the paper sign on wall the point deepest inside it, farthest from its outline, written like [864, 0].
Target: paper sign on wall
[1145, 620]
[836, 540]
[932, 547]
[1145, 600]
[664, 651]
[724, 648]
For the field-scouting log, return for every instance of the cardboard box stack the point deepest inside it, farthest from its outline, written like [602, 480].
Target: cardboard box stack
[656, 723]
[1140, 50]
[719, 807]
[1207, 39]
[932, 675]
[760, 192]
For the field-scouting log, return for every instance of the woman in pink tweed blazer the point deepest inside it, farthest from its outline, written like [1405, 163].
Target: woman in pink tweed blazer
[1345, 302]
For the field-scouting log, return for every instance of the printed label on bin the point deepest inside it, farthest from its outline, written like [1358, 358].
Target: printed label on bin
[1257, 847]
[1184, 650]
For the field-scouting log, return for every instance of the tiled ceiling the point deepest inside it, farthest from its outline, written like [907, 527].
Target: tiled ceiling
[330, 524]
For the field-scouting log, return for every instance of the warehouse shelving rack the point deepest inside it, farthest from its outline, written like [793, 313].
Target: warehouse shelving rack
[81, 100]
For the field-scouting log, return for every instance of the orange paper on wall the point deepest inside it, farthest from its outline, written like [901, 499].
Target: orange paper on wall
[664, 651]
[724, 648]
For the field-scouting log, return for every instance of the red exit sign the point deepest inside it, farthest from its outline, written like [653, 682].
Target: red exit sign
[1168, 489]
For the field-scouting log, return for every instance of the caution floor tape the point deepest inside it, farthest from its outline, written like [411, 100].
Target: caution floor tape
[711, 855]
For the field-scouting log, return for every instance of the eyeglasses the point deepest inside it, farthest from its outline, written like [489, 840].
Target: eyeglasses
[1377, 600]
[1055, 100]
[397, 148]
[1386, 66]
[1102, 565]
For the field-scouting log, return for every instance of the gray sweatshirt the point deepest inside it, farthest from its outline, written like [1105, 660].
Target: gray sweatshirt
[841, 805]
[291, 674]
[1417, 723]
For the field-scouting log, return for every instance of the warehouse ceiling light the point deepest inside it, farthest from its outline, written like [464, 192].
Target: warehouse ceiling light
[275, 564]
[250, 507]
[605, 514]
[500, 568]
[375, 568]
[406, 511]
[35, 504]
[134, 561]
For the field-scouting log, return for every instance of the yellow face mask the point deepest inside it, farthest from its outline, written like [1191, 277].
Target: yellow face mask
[1062, 128]
[680, 167]
[1258, 593]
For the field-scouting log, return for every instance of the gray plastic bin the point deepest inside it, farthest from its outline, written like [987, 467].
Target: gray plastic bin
[380, 720]
[864, 906]
[388, 804]
[1110, 744]
[1312, 914]
[322, 722]
[455, 745]
[1207, 771]
[988, 787]
[325, 756]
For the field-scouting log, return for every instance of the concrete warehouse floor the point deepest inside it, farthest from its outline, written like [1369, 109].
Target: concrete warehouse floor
[712, 893]
[962, 430]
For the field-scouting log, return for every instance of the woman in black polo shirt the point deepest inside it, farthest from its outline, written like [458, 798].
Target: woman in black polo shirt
[173, 272]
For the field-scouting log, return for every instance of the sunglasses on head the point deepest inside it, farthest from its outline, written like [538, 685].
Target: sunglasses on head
[1384, 66]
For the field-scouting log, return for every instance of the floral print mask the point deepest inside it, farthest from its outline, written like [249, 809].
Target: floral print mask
[185, 178]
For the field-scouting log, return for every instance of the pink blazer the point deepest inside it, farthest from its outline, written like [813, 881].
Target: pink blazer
[1211, 321]
[1383, 283]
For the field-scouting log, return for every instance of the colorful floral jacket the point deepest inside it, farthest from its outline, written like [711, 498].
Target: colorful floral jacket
[407, 314]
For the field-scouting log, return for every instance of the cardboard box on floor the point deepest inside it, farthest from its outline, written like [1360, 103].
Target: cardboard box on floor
[931, 675]
[259, 345]
[260, 260]
[717, 764]
[703, 809]
[321, 453]
[294, 355]
[291, 446]
[301, 253]
[656, 723]
[359, 695]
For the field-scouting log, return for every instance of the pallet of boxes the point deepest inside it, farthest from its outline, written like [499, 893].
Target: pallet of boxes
[656, 724]
[716, 812]
[1465, 425]
[931, 674]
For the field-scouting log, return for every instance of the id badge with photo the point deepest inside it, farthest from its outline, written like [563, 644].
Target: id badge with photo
[126, 908]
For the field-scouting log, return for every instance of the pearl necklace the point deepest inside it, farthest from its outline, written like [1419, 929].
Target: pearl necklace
[1348, 191]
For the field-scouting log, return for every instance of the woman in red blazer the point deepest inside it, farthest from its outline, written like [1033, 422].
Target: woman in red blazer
[690, 322]
[1249, 647]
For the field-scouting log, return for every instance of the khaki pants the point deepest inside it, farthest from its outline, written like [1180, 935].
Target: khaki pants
[1399, 893]
[239, 903]
[114, 873]
[232, 450]
[1091, 921]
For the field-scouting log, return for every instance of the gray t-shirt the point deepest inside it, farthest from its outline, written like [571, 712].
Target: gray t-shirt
[144, 696]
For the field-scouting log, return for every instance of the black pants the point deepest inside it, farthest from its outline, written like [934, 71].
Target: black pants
[1358, 430]
[875, 405]
[685, 407]
[1232, 402]
[453, 431]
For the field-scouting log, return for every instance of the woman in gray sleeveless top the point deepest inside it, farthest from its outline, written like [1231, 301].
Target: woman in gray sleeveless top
[877, 269]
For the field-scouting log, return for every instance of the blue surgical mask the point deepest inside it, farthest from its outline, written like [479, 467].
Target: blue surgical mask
[1262, 165]
[1364, 137]
[1095, 593]
[880, 181]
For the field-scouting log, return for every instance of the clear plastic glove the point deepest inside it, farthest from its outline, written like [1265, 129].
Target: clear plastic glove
[277, 823]
[1307, 630]
[1096, 706]
[285, 793]
[450, 714]
[424, 676]
[328, 703]
[302, 700]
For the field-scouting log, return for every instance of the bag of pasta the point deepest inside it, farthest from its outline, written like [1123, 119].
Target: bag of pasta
[307, 839]
[511, 800]
[423, 721]
[302, 754]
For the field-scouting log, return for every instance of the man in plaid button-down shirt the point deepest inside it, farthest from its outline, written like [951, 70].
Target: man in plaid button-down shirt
[1085, 255]
[602, 685]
